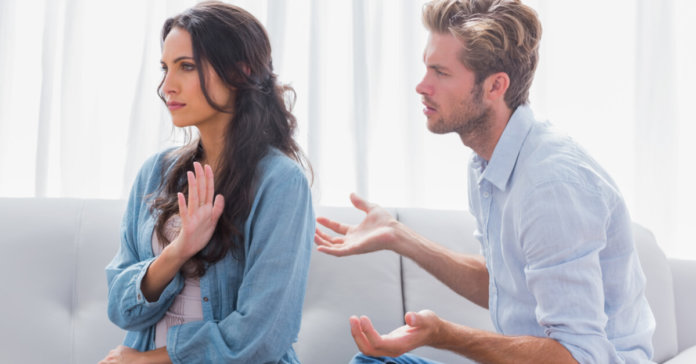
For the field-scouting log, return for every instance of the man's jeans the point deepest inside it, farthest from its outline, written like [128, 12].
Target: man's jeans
[404, 359]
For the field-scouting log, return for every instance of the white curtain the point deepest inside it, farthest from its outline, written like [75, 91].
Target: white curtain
[79, 112]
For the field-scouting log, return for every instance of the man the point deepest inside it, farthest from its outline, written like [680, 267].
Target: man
[559, 270]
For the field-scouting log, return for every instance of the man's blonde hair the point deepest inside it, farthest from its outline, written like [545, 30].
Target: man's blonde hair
[497, 36]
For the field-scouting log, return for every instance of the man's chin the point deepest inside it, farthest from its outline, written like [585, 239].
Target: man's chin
[437, 126]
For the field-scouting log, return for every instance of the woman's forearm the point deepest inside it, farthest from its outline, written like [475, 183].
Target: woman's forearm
[157, 356]
[161, 272]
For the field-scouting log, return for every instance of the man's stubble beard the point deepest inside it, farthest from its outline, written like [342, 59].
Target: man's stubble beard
[470, 119]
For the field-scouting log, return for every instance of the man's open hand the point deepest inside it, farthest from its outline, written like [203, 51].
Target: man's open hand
[375, 232]
[421, 329]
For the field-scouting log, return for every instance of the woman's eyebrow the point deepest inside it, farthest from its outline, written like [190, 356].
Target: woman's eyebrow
[178, 59]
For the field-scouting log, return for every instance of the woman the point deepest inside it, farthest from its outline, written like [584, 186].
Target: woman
[217, 234]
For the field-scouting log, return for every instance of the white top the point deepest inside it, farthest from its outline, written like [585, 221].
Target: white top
[187, 306]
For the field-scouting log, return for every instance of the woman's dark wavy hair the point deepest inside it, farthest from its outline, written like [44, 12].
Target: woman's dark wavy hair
[236, 45]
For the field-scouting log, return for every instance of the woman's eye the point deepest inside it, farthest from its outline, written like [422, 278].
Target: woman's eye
[188, 67]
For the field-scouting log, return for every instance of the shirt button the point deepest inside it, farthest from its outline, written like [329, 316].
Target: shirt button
[138, 296]
[486, 194]
[205, 299]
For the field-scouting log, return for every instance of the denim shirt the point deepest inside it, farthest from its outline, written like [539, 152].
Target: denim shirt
[558, 243]
[252, 306]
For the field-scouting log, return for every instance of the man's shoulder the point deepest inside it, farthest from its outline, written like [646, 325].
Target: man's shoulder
[551, 156]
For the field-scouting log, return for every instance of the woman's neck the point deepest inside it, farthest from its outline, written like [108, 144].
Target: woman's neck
[213, 143]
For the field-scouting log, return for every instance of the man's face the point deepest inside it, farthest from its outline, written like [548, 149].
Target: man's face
[453, 101]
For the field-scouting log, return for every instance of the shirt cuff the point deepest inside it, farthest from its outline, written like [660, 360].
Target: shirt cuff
[171, 289]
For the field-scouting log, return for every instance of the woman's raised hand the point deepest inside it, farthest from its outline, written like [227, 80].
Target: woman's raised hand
[200, 215]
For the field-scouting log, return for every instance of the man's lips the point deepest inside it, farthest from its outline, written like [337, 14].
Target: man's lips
[429, 109]
[173, 105]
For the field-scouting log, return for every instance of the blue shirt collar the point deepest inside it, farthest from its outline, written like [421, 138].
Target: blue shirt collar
[499, 169]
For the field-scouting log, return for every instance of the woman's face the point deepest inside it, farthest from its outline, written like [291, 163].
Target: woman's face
[182, 89]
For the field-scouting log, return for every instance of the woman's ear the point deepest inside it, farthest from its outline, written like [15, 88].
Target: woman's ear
[245, 68]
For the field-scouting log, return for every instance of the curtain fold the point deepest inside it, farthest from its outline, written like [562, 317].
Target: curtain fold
[79, 111]
[656, 119]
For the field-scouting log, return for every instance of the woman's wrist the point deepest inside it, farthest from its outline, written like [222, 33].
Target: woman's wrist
[162, 270]
[174, 253]
[157, 356]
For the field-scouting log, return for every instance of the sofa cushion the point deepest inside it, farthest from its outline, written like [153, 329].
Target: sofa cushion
[660, 293]
[337, 288]
[454, 230]
[38, 271]
[97, 242]
[58, 282]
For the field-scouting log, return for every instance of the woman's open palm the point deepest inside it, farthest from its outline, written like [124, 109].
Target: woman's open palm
[200, 215]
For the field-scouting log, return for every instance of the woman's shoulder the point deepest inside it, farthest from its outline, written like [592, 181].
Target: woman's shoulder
[151, 170]
[157, 158]
[276, 165]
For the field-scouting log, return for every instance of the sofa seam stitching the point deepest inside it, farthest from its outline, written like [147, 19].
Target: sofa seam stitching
[401, 280]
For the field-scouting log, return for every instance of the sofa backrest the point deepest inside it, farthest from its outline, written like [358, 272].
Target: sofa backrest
[454, 229]
[52, 266]
[53, 254]
[337, 289]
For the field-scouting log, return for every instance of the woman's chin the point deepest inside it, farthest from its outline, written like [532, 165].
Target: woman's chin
[180, 123]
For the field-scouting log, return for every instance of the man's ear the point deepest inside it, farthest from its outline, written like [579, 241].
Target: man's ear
[496, 85]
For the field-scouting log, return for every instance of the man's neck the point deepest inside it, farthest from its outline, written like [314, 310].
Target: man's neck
[484, 143]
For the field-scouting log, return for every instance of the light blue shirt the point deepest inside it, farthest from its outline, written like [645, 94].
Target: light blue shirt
[558, 243]
[251, 308]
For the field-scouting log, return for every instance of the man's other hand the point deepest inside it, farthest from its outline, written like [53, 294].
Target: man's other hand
[421, 329]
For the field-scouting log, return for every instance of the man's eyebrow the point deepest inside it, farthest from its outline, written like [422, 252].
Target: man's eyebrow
[178, 59]
[438, 67]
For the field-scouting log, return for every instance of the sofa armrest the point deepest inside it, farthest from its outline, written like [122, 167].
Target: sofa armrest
[687, 356]
[684, 273]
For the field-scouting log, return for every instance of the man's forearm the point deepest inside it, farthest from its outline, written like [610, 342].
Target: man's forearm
[463, 273]
[487, 347]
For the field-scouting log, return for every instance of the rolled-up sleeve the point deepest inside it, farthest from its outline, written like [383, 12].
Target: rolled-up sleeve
[278, 241]
[562, 234]
[127, 306]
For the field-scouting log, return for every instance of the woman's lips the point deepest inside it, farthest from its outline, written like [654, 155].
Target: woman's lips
[172, 105]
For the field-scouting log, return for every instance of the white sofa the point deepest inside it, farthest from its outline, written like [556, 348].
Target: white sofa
[53, 253]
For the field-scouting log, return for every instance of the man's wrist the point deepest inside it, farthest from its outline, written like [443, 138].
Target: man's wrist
[399, 237]
[405, 241]
[441, 329]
